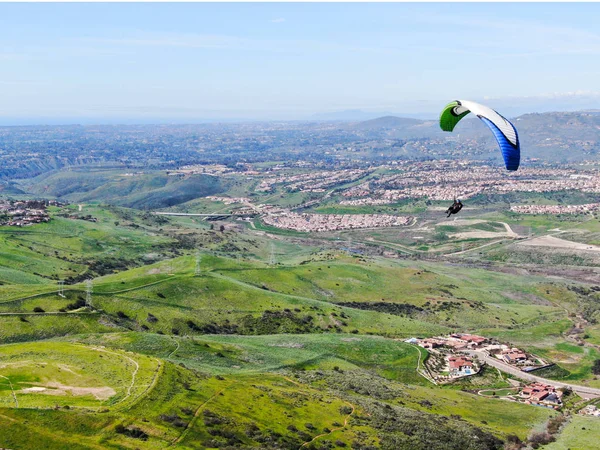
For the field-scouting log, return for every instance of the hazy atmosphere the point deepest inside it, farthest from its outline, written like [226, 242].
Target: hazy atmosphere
[299, 226]
[194, 62]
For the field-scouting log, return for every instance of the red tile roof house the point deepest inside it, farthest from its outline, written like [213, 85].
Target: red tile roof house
[430, 343]
[513, 355]
[540, 393]
[459, 364]
[456, 345]
[471, 339]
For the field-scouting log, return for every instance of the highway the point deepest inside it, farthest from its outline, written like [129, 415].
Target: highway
[191, 214]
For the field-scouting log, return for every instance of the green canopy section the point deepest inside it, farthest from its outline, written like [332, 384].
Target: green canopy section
[449, 117]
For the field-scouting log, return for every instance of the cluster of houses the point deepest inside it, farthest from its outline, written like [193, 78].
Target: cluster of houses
[556, 209]
[333, 222]
[450, 359]
[456, 341]
[455, 364]
[24, 213]
[438, 182]
[541, 394]
[461, 342]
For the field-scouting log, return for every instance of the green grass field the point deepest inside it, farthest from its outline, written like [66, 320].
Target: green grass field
[581, 433]
[253, 354]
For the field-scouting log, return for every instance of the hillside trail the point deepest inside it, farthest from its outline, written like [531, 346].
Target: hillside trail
[133, 375]
[176, 348]
[11, 390]
[197, 413]
[41, 432]
[254, 287]
[334, 429]
[122, 291]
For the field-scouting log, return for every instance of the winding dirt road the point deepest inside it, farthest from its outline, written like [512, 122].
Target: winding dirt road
[583, 391]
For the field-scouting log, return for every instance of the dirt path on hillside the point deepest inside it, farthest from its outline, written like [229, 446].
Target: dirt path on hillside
[335, 429]
[554, 242]
[197, 413]
[176, 348]
[11, 389]
[133, 375]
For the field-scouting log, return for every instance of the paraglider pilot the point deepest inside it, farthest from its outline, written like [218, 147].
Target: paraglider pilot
[455, 208]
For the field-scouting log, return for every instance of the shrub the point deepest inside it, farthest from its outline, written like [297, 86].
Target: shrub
[37, 309]
[132, 432]
[345, 410]
[596, 367]
[540, 438]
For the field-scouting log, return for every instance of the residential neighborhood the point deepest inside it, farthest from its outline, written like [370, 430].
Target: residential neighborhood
[460, 355]
[333, 222]
[23, 213]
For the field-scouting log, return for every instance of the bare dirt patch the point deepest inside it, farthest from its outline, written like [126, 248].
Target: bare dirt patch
[52, 388]
[480, 235]
[100, 393]
[554, 242]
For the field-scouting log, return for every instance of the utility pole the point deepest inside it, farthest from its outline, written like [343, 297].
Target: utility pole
[88, 293]
[61, 288]
[198, 261]
[272, 260]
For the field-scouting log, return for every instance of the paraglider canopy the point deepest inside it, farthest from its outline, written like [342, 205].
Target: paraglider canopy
[504, 131]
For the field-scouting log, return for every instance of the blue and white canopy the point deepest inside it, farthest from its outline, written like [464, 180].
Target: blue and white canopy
[504, 131]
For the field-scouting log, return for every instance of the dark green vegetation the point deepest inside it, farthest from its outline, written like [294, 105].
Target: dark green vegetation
[140, 190]
[280, 339]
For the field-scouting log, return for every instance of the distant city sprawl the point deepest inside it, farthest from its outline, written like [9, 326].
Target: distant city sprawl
[27, 151]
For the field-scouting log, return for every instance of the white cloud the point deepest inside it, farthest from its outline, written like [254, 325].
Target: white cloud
[278, 20]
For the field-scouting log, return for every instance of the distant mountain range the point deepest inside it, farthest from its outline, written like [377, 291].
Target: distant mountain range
[355, 115]
[552, 136]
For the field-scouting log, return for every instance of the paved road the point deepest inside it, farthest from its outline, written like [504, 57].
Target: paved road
[191, 214]
[583, 391]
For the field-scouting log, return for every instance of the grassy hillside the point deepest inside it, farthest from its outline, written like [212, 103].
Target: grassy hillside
[306, 350]
[140, 190]
[250, 391]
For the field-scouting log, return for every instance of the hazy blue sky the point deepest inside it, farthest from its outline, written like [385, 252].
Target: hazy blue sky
[195, 61]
